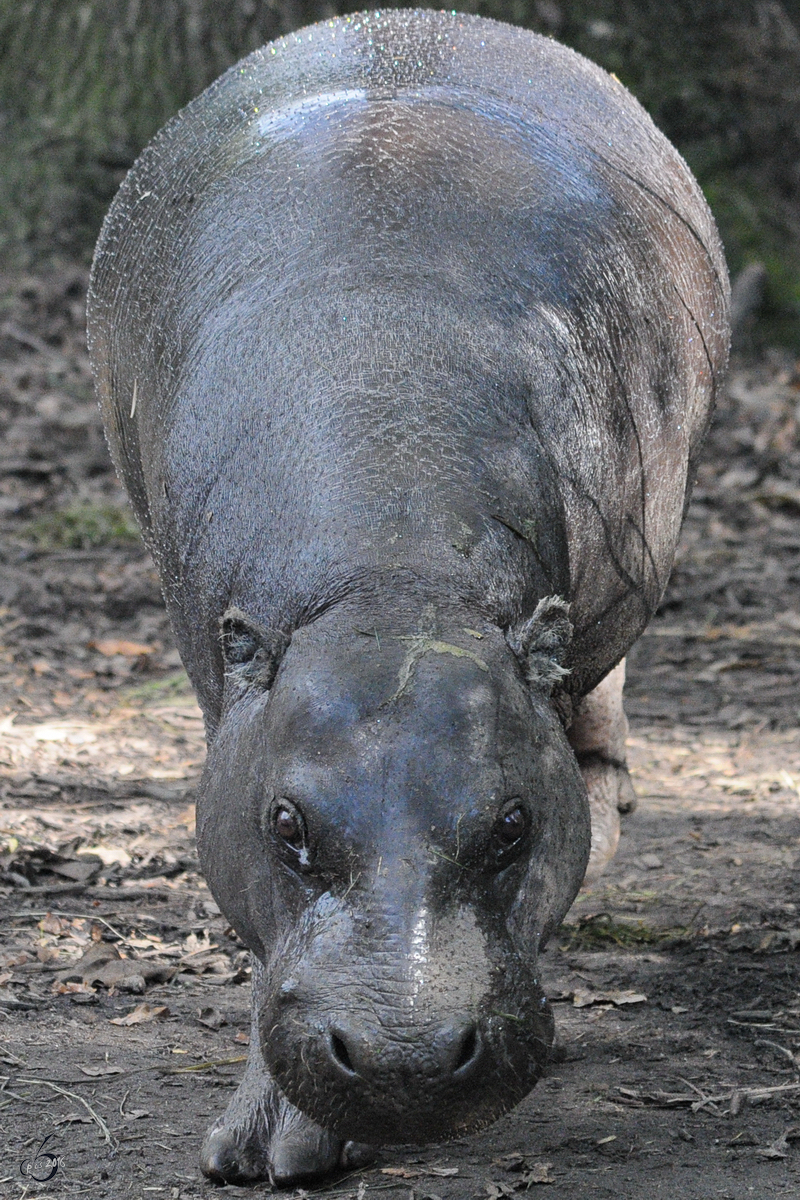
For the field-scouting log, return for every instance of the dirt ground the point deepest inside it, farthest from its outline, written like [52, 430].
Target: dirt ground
[123, 993]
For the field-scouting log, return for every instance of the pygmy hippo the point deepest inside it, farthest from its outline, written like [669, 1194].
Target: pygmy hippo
[406, 333]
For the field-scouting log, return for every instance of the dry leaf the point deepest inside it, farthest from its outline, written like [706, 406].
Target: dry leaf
[196, 945]
[510, 1162]
[778, 1149]
[131, 975]
[200, 962]
[51, 924]
[539, 1172]
[212, 1018]
[112, 646]
[418, 1172]
[183, 716]
[141, 1014]
[96, 1072]
[82, 869]
[582, 999]
[103, 964]
[17, 958]
[72, 988]
[496, 1190]
[780, 1146]
[109, 855]
[620, 998]
[97, 954]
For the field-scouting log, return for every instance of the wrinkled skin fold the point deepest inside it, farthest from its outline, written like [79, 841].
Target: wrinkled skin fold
[406, 334]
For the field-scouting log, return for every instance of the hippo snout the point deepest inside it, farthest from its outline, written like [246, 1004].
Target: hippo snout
[451, 1052]
[382, 1076]
[387, 1085]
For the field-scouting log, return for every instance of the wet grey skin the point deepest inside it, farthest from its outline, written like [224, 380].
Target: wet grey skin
[406, 333]
[398, 999]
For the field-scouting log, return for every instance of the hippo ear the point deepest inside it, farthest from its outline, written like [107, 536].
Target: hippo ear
[252, 653]
[541, 641]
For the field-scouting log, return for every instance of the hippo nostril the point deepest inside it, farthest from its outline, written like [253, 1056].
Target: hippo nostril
[469, 1050]
[341, 1054]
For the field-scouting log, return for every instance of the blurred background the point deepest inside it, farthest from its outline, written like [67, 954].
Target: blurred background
[84, 84]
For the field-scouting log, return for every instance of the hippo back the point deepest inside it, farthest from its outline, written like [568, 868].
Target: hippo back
[409, 296]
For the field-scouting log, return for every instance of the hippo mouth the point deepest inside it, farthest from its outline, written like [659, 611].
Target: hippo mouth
[412, 1083]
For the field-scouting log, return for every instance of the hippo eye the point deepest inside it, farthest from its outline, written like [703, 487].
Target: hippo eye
[510, 831]
[512, 824]
[289, 826]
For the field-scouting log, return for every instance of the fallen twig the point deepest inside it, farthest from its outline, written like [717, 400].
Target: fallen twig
[203, 1066]
[751, 1095]
[126, 789]
[149, 1069]
[31, 342]
[74, 1096]
[53, 889]
[101, 918]
[136, 893]
[775, 1046]
[116, 894]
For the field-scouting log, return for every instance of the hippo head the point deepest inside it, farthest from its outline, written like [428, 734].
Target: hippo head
[394, 823]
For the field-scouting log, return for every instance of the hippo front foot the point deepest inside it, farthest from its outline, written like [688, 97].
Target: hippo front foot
[610, 793]
[266, 1137]
[262, 1136]
[274, 1141]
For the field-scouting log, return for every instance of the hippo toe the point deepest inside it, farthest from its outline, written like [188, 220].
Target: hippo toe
[262, 1136]
[255, 1140]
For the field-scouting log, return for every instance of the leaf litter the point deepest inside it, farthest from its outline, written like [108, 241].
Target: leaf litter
[101, 747]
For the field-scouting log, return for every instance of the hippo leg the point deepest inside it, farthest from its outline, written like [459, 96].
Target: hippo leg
[262, 1136]
[597, 735]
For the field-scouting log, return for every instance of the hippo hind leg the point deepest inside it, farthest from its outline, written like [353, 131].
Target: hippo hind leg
[597, 735]
[262, 1136]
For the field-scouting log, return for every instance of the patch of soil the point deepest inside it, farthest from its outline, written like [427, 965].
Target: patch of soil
[123, 993]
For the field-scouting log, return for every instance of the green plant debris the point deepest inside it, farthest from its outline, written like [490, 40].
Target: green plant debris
[82, 527]
[601, 930]
[158, 690]
[420, 646]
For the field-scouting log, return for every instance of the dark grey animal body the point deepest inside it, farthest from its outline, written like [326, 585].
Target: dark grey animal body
[406, 333]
